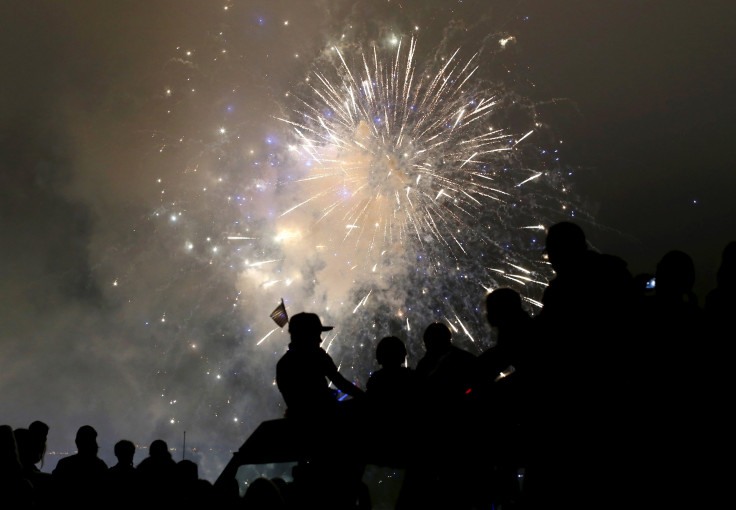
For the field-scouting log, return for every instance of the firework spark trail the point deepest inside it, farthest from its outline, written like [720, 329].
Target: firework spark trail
[396, 191]
[256, 264]
[535, 176]
[465, 330]
[267, 335]
[401, 174]
[385, 129]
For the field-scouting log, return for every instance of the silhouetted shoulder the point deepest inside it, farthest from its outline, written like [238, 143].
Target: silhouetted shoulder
[387, 383]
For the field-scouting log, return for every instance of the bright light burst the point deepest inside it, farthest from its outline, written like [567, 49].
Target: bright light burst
[399, 157]
[405, 176]
[399, 196]
[396, 189]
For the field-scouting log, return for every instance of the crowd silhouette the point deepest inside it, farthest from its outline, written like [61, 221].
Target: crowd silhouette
[613, 395]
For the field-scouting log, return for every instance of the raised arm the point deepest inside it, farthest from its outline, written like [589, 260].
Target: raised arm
[344, 385]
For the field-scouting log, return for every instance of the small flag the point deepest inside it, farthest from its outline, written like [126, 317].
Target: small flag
[279, 315]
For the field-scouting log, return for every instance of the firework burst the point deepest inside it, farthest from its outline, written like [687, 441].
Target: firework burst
[401, 168]
[398, 157]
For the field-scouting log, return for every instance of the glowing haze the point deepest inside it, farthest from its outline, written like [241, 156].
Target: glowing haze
[353, 166]
[397, 178]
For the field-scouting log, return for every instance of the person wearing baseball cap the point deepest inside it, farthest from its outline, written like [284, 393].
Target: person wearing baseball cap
[302, 374]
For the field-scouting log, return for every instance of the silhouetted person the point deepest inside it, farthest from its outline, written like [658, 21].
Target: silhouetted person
[393, 385]
[263, 494]
[303, 375]
[392, 403]
[39, 432]
[508, 371]
[587, 307]
[190, 491]
[445, 370]
[125, 452]
[673, 328]
[285, 489]
[674, 321]
[720, 303]
[507, 364]
[677, 389]
[80, 478]
[30, 452]
[304, 372]
[589, 290]
[674, 299]
[124, 481]
[437, 477]
[720, 308]
[504, 399]
[16, 490]
[157, 473]
[587, 311]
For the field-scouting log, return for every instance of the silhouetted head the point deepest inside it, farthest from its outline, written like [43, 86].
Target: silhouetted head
[565, 246]
[125, 451]
[187, 471]
[437, 337]
[24, 442]
[306, 327]
[9, 461]
[726, 276]
[39, 429]
[159, 449]
[263, 493]
[86, 440]
[503, 307]
[39, 432]
[281, 484]
[390, 352]
[675, 274]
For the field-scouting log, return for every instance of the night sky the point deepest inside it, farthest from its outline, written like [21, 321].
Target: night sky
[129, 129]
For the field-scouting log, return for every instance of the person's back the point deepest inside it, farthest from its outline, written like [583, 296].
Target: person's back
[189, 490]
[263, 494]
[445, 370]
[391, 395]
[38, 434]
[503, 398]
[29, 452]
[680, 394]
[79, 468]
[303, 372]
[437, 476]
[504, 375]
[157, 473]
[16, 490]
[584, 324]
[673, 337]
[590, 290]
[721, 301]
[588, 306]
[444, 378]
[301, 376]
[720, 378]
[123, 480]
[80, 478]
[393, 384]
